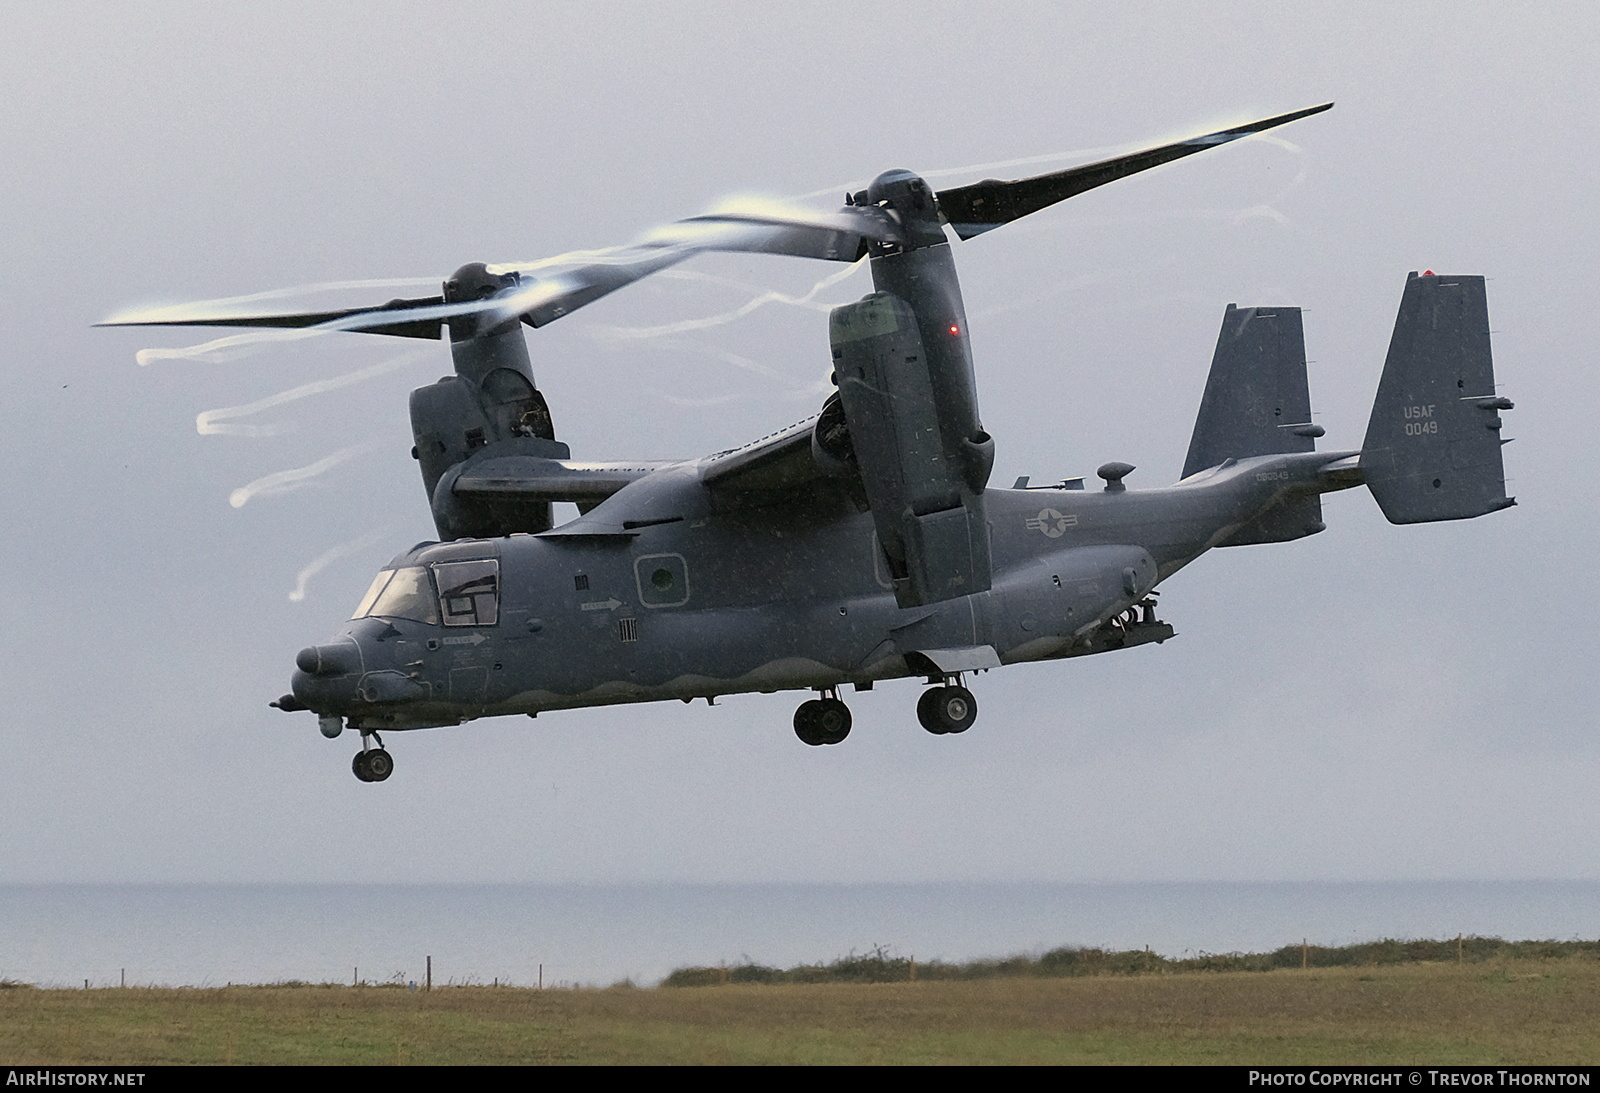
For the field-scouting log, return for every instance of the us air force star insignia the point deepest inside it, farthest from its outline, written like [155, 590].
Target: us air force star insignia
[1051, 522]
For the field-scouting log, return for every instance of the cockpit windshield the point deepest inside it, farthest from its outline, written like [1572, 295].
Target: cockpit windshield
[469, 593]
[401, 594]
[372, 594]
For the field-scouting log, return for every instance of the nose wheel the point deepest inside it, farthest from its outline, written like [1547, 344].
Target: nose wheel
[824, 720]
[947, 709]
[372, 764]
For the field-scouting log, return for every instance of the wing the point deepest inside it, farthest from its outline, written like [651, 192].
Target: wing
[535, 479]
[779, 461]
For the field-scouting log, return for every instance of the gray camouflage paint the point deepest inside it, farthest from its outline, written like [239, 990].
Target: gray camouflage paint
[791, 590]
[862, 544]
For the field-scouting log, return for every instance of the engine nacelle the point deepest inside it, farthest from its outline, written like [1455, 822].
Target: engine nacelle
[926, 494]
[491, 400]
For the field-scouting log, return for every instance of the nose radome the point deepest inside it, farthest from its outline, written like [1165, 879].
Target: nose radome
[328, 660]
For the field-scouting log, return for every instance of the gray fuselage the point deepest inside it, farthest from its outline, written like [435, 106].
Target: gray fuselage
[657, 594]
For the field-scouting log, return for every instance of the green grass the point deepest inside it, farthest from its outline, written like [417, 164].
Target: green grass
[882, 966]
[1501, 1009]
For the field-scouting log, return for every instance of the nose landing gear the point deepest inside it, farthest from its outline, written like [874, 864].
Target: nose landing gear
[824, 720]
[372, 764]
[947, 709]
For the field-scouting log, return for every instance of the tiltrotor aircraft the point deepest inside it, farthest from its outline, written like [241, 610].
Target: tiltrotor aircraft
[865, 543]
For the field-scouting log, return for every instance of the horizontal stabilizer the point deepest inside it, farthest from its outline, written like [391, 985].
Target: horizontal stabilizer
[1432, 450]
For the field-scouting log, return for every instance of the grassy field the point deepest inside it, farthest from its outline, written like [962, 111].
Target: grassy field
[1504, 1010]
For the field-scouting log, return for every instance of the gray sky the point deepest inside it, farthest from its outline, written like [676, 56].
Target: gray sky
[1374, 702]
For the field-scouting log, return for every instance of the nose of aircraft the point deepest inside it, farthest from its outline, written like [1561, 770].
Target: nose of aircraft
[351, 675]
[326, 677]
[329, 660]
[325, 694]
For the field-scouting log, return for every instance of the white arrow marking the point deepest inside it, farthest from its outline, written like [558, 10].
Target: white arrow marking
[471, 639]
[602, 605]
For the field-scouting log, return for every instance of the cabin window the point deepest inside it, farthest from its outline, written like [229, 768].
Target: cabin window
[663, 580]
[469, 592]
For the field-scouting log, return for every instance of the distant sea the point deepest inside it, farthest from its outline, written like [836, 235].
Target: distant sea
[211, 935]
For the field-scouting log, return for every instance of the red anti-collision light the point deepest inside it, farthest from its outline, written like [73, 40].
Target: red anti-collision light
[955, 331]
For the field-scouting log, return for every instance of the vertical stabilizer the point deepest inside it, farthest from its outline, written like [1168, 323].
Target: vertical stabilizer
[1432, 450]
[1257, 402]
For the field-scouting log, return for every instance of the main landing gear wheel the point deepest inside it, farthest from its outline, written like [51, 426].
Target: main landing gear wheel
[947, 709]
[822, 721]
[372, 766]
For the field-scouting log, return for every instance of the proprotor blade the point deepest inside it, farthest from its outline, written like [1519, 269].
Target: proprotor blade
[975, 209]
[389, 318]
[544, 291]
[765, 227]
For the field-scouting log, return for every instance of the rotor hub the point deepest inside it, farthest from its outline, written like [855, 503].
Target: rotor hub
[473, 281]
[909, 197]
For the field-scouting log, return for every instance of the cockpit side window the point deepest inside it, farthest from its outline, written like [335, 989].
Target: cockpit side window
[372, 594]
[408, 595]
[469, 592]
